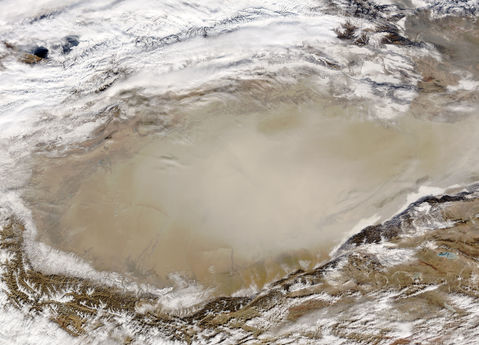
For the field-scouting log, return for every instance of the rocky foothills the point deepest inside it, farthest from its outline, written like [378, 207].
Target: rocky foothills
[390, 283]
[85, 82]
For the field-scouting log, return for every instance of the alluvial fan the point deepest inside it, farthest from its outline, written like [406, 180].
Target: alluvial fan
[239, 172]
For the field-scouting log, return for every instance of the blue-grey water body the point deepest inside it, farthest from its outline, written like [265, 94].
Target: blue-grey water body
[222, 144]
